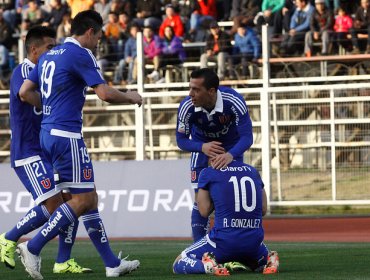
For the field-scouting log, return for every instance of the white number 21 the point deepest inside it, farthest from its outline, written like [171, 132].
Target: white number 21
[240, 193]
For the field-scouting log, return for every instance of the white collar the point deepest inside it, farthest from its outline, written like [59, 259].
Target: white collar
[72, 40]
[29, 62]
[219, 106]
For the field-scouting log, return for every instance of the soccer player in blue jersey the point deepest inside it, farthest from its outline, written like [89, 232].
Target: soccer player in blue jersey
[63, 75]
[236, 193]
[213, 123]
[29, 163]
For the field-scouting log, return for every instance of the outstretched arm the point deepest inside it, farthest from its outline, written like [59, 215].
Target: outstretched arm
[112, 95]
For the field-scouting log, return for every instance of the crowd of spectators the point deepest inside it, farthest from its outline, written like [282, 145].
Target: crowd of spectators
[294, 24]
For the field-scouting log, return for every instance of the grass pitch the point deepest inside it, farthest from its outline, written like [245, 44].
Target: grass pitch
[297, 261]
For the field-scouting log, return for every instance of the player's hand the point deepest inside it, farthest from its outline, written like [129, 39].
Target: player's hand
[134, 97]
[221, 160]
[212, 149]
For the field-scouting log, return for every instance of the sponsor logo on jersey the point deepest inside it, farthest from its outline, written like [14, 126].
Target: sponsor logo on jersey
[46, 183]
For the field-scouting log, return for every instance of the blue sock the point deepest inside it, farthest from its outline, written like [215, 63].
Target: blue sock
[188, 265]
[35, 218]
[67, 238]
[199, 224]
[95, 229]
[62, 217]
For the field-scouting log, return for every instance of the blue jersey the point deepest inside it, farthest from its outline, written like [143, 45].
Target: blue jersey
[25, 121]
[229, 123]
[236, 192]
[63, 75]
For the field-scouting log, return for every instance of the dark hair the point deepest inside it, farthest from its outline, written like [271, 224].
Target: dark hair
[37, 34]
[85, 20]
[211, 79]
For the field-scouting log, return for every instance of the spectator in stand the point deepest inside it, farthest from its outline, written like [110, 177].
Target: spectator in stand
[206, 10]
[321, 27]
[129, 59]
[77, 6]
[103, 8]
[5, 32]
[55, 17]
[64, 29]
[33, 14]
[248, 8]
[9, 12]
[288, 11]
[218, 48]
[152, 45]
[343, 23]
[271, 14]
[293, 41]
[174, 20]
[173, 52]
[112, 34]
[149, 13]
[185, 9]
[247, 47]
[361, 25]
[246, 16]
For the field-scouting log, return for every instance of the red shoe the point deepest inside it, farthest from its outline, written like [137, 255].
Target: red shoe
[272, 265]
[211, 266]
[221, 271]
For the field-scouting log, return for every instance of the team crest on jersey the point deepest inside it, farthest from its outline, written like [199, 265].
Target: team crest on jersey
[224, 119]
[46, 183]
[193, 175]
[87, 173]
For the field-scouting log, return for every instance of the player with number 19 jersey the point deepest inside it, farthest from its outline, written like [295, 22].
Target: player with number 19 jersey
[63, 75]
[68, 69]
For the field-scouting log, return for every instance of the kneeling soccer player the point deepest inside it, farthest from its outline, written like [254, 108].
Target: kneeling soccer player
[237, 195]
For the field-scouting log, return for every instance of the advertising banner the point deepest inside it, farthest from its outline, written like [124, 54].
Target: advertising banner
[136, 198]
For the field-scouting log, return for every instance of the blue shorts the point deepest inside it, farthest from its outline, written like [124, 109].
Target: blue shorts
[38, 178]
[199, 161]
[68, 154]
[253, 259]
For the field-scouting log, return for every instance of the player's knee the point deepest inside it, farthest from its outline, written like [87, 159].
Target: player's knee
[84, 202]
[52, 203]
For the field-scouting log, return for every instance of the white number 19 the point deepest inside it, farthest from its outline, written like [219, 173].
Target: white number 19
[48, 69]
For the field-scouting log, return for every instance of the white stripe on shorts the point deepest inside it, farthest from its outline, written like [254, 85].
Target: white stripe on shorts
[32, 178]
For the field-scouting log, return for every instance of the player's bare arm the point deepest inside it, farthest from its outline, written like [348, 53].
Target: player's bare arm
[28, 94]
[205, 204]
[112, 95]
[212, 149]
[221, 160]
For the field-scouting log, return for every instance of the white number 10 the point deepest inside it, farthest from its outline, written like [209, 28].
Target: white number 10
[240, 192]
[48, 69]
